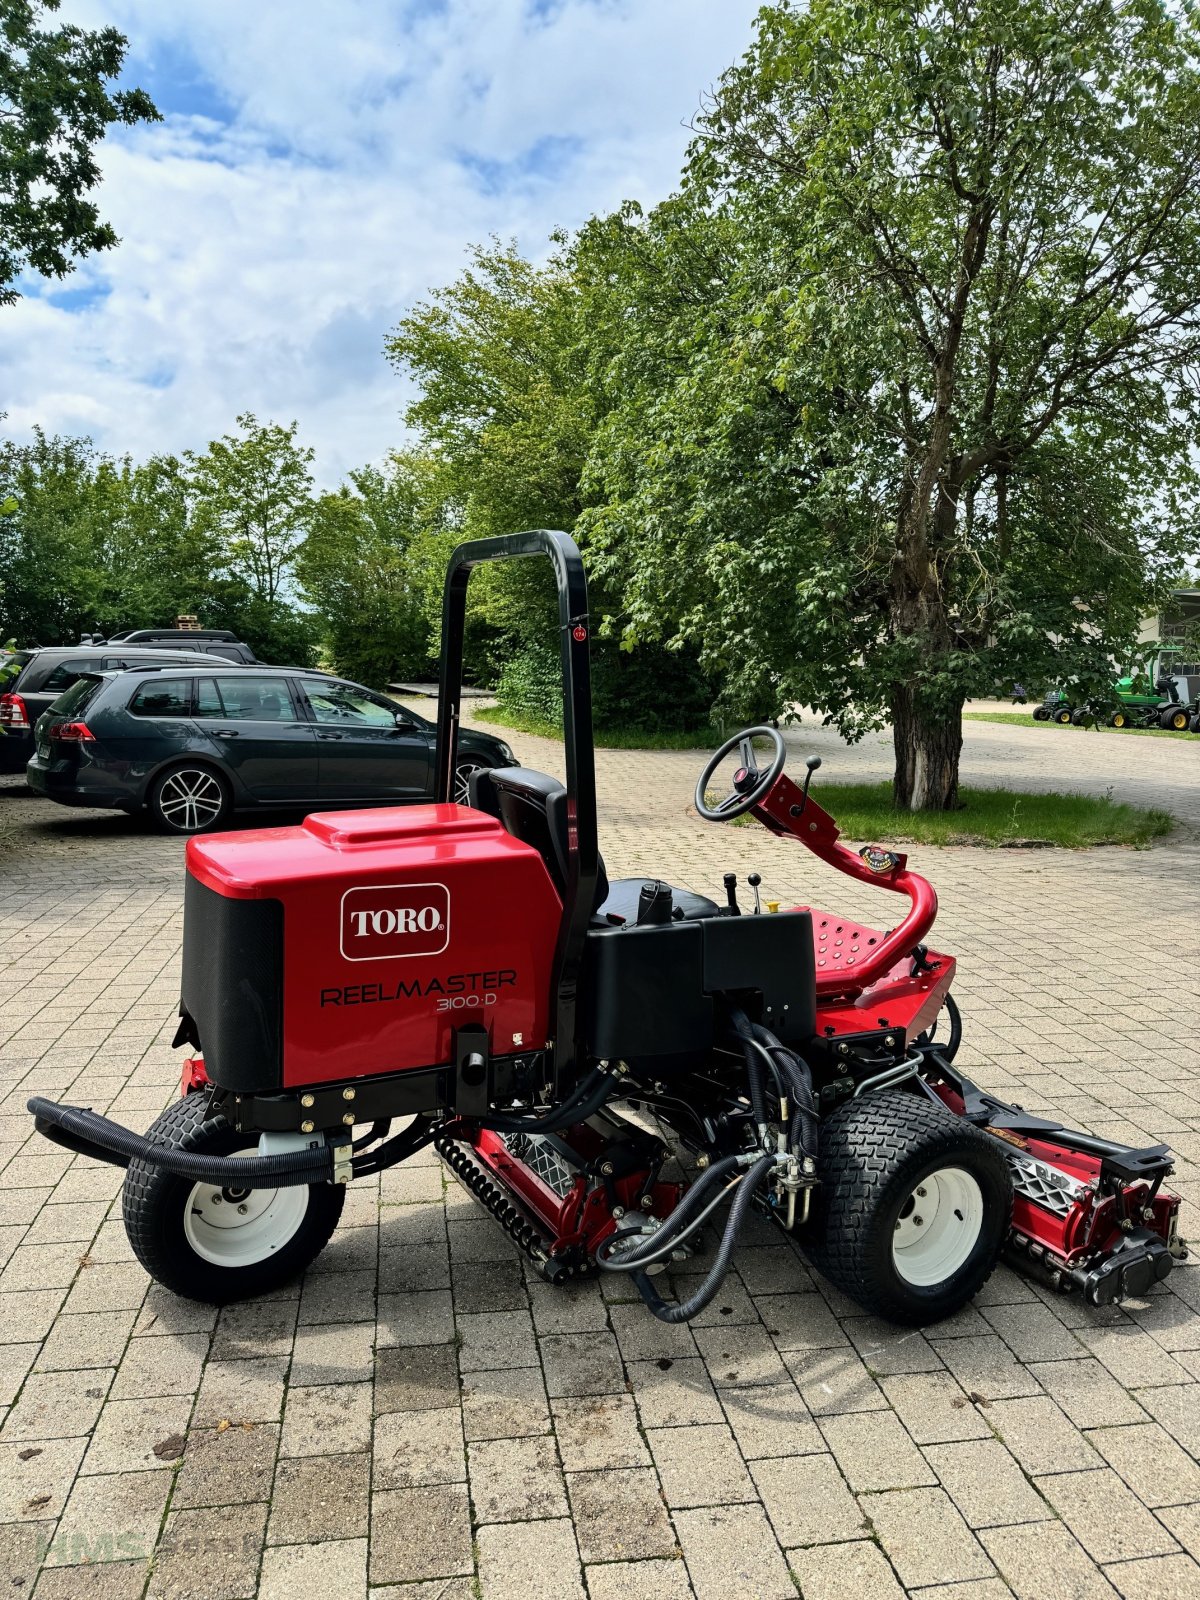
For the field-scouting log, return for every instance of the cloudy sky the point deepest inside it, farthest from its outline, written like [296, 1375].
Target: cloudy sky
[319, 168]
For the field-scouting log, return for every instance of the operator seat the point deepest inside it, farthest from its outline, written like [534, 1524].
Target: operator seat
[533, 807]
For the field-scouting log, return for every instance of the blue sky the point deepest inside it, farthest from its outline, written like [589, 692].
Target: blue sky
[318, 170]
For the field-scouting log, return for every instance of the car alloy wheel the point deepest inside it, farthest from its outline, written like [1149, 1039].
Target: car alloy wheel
[463, 774]
[190, 799]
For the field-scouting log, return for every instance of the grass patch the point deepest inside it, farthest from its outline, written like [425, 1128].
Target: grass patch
[1024, 720]
[995, 817]
[606, 738]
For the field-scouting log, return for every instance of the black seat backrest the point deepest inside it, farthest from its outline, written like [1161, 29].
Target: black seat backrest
[533, 808]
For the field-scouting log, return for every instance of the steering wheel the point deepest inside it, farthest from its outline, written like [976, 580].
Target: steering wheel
[750, 782]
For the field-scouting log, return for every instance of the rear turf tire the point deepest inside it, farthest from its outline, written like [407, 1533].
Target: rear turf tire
[891, 1165]
[1063, 716]
[281, 1232]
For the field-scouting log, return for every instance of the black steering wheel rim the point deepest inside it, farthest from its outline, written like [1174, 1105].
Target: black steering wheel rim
[741, 798]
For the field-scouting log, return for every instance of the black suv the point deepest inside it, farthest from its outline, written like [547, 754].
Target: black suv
[207, 641]
[192, 745]
[45, 673]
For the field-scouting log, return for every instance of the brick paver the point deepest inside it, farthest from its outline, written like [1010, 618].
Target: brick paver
[418, 1420]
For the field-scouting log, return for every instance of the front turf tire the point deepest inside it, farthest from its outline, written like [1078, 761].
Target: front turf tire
[282, 1230]
[879, 1153]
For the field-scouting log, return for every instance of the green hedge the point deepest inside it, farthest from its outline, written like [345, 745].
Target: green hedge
[650, 688]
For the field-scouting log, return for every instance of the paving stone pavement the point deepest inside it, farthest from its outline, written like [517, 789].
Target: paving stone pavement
[419, 1420]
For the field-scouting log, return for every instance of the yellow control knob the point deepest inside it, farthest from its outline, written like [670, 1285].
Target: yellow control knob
[772, 905]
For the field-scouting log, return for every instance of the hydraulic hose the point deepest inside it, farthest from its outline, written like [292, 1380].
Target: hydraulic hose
[405, 1144]
[955, 1038]
[599, 1086]
[674, 1229]
[80, 1129]
[658, 1249]
[796, 1070]
[664, 1310]
[754, 1069]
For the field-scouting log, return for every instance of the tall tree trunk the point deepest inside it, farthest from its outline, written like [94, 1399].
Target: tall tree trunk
[928, 744]
[926, 728]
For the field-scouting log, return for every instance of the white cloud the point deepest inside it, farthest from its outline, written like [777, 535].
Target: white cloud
[324, 168]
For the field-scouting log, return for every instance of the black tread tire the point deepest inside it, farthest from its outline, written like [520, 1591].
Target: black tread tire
[160, 822]
[1041, 713]
[1063, 716]
[152, 1203]
[1080, 718]
[874, 1151]
[1169, 719]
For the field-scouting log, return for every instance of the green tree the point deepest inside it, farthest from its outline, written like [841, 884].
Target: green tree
[499, 358]
[54, 495]
[931, 428]
[55, 107]
[507, 405]
[253, 490]
[158, 561]
[364, 567]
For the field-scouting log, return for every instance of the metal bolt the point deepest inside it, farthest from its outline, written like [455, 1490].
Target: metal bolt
[306, 1127]
[606, 1169]
[216, 1199]
[242, 1210]
[647, 1202]
[307, 1099]
[347, 1094]
[843, 1049]
[918, 1221]
[921, 1192]
[701, 1162]
[897, 1227]
[348, 1119]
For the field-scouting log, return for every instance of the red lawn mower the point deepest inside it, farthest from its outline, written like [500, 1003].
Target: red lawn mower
[473, 971]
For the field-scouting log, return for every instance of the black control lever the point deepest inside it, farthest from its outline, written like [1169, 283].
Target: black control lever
[731, 894]
[754, 880]
[812, 764]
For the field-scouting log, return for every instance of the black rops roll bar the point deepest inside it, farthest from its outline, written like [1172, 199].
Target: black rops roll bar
[582, 852]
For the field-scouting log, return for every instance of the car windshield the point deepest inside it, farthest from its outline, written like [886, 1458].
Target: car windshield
[76, 698]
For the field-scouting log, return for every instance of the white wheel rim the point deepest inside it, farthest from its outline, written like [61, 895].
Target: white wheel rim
[190, 799]
[462, 783]
[938, 1227]
[235, 1227]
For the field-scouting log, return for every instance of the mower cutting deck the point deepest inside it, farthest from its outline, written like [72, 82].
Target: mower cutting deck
[572, 1045]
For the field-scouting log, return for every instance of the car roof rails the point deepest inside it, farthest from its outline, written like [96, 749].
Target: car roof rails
[148, 635]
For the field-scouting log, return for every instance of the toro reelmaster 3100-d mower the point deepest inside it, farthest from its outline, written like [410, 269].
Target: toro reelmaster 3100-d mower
[472, 970]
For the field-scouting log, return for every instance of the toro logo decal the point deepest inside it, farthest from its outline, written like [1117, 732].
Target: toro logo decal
[387, 920]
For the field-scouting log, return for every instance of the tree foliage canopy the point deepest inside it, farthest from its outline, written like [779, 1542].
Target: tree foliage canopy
[253, 491]
[907, 400]
[55, 107]
[370, 565]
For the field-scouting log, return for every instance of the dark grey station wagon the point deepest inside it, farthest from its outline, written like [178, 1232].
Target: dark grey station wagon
[193, 746]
